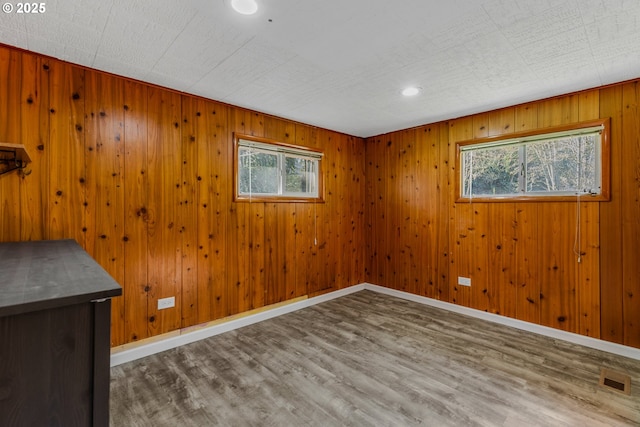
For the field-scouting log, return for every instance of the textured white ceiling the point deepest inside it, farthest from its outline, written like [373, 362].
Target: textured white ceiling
[341, 64]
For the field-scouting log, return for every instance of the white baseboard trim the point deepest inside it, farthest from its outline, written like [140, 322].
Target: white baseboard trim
[188, 335]
[618, 349]
[172, 341]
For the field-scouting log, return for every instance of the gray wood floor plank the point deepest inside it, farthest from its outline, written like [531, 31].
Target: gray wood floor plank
[373, 360]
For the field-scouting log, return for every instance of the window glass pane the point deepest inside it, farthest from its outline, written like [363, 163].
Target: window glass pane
[272, 171]
[491, 171]
[556, 164]
[562, 165]
[257, 172]
[589, 161]
[300, 175]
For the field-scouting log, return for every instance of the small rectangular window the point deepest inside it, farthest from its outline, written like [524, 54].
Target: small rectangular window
[270, 171]
[560, 163]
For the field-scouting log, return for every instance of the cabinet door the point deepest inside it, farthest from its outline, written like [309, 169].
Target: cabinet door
[101, 362]
[47, 367]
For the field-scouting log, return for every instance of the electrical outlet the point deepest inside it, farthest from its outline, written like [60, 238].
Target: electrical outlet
[166, 303]
[464, 281]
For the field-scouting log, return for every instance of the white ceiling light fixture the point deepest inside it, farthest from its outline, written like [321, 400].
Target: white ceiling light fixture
[245, 7]
[411, 91]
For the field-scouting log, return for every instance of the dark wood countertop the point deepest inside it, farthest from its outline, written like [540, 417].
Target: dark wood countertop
[48, 274]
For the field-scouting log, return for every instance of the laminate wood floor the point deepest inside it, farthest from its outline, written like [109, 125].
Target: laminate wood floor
[369, 359]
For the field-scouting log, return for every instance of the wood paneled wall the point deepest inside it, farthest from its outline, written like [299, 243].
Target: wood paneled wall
[520, 256]
[141, 177]
[407, 215]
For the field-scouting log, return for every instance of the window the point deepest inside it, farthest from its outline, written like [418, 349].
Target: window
[270, 171]
[560, 163]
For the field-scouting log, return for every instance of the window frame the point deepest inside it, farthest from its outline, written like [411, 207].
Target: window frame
[283, 151]
[513, 138]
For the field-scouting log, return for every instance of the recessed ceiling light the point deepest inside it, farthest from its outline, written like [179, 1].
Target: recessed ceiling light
[245, 7]
[411, 91]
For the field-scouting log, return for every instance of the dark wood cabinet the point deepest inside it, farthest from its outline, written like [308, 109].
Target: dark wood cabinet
[55, 311]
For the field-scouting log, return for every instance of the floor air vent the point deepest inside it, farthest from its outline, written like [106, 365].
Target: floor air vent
[616, 381]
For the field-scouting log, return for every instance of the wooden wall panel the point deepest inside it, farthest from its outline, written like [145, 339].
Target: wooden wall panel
[374, 197]
[258, 223]
[588, 240]
[501, 235]
[348, 188]
[286, 214]
[556, 237]
[558, 278]
[164, 169]
[104, 201]
[502, 265]
[420, 209]
[306, 226]
[538, 262]
[208, 125]
[23, 103]
[354, 211]
[389, 216]
[558, 111]
[238, 246]
[383, 227]
[142, 177]
[528, 288]
[273, 238]
[189, 207]
[393, 211]
[137, 214]
[477, 232]
[589, 105]
[245, 244]
[385, 199]
[588, 270]
[33, 192]
[407, 214]
[336, 210]
[423, 211]
[611, 284]
[11, 67]
[443, 162]
[462, 222]
[279, 229]
[338, 240]
[526, 117]
[480, 125]
[528, 293]
[407, 203]
[66, 152]
[325, 220]
[630, 195]
[432, 202]
[502, 122]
